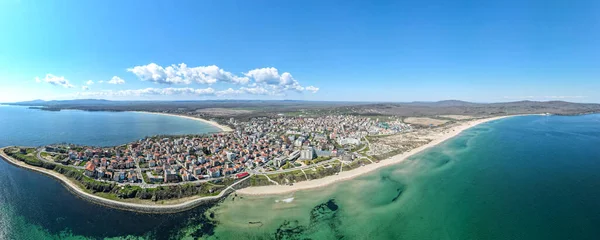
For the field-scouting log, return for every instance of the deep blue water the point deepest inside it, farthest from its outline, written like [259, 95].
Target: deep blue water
[34, 206]
[23, 126]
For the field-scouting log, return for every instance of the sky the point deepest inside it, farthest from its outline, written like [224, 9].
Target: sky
[390, 51]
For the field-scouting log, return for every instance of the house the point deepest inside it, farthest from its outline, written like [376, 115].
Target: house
[132, 176]
[129, 163]
[307, 153]
[50, 149]
[231, 156]
[170, 176]
[214, 172]
[280, 161]
[187, 177]
[100, 172]
[294, 155]
[197, 171]
[122, 176]
[90, 169]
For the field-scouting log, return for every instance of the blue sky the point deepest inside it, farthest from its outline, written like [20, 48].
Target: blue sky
[306, 50]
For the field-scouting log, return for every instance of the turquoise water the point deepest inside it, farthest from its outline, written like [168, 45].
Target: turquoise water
[532, 177]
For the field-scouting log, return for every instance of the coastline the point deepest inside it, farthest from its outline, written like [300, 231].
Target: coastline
[223, 128]
[262, 190]
[347, 175]
[135, 207]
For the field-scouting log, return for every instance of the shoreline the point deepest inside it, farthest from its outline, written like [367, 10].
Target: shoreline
[133, 207]
[347, 175]
[223, 128]
[261, 190]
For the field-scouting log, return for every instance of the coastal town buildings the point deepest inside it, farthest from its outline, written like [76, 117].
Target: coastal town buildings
[264, 143]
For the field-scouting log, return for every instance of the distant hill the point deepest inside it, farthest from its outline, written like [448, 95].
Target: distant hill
[444, 103]
[450, 107]
[267, 107]
[181, 106]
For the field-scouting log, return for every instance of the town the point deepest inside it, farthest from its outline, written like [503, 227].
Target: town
[259, 145]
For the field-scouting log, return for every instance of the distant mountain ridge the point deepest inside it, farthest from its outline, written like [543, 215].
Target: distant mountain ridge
[266, 107]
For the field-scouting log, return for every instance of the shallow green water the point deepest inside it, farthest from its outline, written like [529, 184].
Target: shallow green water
[521, 178]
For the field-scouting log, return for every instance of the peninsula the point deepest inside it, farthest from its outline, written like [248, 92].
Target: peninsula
[262, 147]
[261, 155]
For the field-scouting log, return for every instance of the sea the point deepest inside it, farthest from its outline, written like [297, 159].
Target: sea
[526, 177]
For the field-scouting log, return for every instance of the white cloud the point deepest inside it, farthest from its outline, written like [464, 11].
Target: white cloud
[312, 89]
[85, 88]
[264, 75]
[182, 74]
[55, 80]
[116, 80]
[89, 82]
[270, 76]
[101, 81]
[260, 81]
[179, 91]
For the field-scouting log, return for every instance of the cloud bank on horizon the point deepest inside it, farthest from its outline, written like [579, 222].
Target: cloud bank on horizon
[259, 81]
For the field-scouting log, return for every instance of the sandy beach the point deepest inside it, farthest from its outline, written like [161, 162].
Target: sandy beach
[322, 182]
[220, 126]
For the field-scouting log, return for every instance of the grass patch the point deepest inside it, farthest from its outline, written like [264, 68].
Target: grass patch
[386, 155]
[317, 160]
[259, 180]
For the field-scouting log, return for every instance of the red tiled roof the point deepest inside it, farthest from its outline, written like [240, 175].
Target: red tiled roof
[90, 167]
